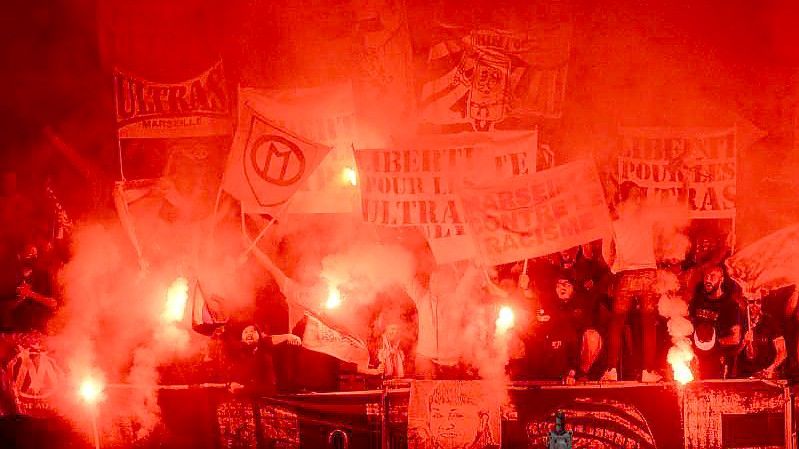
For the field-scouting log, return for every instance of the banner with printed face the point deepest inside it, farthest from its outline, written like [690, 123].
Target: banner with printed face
[693, 166]
[414, 184]
[196, 107]
[324, 115]
[267, 164]
[484, 76]
[457, 414]
[383, 74]
[538, 214]
[322, 338]
[173, 138]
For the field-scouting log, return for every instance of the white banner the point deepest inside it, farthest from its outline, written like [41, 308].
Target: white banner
[693, 166]
[414, 184]
[325, 115]
[322, 338]
[267, 164]
[535, 215]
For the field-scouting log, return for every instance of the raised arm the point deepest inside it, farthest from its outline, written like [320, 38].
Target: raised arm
[609, 249]
[414, 290]
[779, 358]
[25, 291]
[283, 281]
[307, 298]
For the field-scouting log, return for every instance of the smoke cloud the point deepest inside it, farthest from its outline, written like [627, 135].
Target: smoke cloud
[121, 323]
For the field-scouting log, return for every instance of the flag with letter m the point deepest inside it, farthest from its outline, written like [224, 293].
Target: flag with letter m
[267, 164]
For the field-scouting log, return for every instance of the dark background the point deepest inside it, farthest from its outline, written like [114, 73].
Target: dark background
[658, 63]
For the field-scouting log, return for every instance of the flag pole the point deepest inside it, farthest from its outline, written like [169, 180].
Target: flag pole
[94, 427]
[253, 243]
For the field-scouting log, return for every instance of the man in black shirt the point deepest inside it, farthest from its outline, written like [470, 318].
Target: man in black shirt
[763, 349]
[715, 314]
[567, 339]
[252, 363]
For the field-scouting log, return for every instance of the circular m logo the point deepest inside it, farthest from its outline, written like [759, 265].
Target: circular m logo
[34, 375]
[277, 160]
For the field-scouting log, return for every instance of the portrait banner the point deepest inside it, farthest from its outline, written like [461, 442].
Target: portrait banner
[267, 164]
[693, 166]
[485, 76]
[414, 184]
[196, 107]
[535, 215]
[453, 414]
[324, 115]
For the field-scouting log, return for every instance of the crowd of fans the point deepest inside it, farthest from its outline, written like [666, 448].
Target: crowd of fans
[584, 314]
[589, 313]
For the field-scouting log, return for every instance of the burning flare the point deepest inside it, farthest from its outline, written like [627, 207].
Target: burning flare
[176, 298]
[505, 319]
[679, 357]
[350, 175]
[333, 298]
[91, 390]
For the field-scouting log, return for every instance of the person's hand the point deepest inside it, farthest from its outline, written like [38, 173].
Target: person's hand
[524, 281]
[234, 387]
[749, 336]
[24, 290]
[542, 316]
[589, 284]
[767, 373]
[293, 340]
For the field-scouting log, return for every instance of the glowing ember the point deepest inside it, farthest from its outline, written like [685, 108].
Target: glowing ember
[505, 320]
[350, 175]
[680, 356]
[333, 298]
[176, 298]
[91, 390]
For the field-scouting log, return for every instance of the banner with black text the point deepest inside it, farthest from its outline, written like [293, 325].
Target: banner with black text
[196, 107]
[530, 216]
[414, 184]
[693, 166]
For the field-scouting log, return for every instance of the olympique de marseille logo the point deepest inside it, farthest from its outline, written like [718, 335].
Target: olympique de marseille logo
[34, 375]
